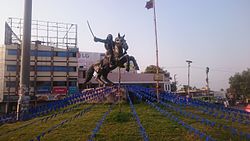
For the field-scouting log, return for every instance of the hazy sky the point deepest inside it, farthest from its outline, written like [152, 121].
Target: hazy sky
[211, 33]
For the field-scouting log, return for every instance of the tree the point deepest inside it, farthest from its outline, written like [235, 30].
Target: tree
[152, 69]
[240, 84]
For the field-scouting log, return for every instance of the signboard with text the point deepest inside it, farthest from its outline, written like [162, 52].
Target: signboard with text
[158, 77]
[86, 59]
[72, 90]
[43, 90]
[60, 90]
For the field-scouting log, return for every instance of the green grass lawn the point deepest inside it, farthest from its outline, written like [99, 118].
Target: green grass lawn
[118, 126]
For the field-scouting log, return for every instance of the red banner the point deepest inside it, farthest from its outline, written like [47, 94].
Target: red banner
[59, 90]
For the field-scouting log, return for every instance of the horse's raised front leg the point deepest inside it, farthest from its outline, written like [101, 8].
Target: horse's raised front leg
[99, 80]
[105, 78]
[89, 74]
[128, 63]
[134, 62]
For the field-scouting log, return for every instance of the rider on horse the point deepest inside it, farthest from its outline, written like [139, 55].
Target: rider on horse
[109, 45]
[118, 56]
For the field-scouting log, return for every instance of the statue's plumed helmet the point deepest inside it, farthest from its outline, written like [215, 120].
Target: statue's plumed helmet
[109, 37]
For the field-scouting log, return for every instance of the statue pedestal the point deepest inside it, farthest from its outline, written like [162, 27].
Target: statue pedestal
[115, 96]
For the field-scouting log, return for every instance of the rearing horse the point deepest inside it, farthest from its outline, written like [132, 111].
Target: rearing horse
[120, 56]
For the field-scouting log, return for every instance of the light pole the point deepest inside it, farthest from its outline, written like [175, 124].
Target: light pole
[207, 71]
[189, 62]
[151, 4]
[157, 54]
[23, 101]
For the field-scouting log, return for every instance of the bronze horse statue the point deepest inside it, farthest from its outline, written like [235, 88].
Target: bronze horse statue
[121, 57]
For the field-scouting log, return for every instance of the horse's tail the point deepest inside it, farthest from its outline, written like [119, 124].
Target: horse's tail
[89, 74]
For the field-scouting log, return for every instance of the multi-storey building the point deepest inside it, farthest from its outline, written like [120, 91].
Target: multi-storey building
[53, 63]
[2, 78]
[53, 72]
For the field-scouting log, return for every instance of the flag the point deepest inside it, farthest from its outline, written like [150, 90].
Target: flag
[149, 4]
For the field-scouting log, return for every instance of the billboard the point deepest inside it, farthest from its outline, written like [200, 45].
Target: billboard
[8, 35]
[44, 93]
[86, 59]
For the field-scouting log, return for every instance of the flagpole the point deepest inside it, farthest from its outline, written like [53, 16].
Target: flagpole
[157, 56]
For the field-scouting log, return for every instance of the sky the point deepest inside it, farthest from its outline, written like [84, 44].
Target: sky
[211, 33]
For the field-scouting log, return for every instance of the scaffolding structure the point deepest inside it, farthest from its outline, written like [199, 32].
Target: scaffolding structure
[55, 34]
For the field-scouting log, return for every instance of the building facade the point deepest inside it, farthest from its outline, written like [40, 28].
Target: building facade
[53, 62]
[53, 72]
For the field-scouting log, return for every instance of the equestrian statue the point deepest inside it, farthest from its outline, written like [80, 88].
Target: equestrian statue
[116, 56]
